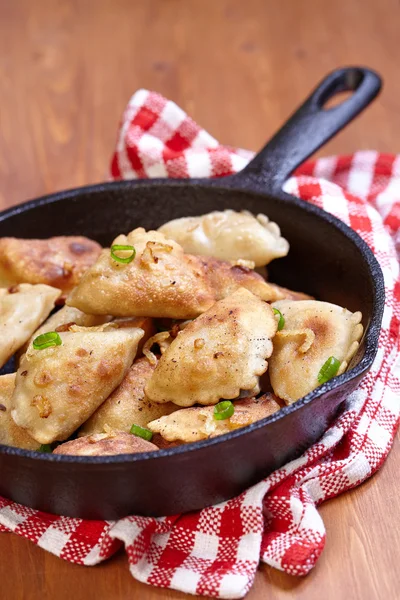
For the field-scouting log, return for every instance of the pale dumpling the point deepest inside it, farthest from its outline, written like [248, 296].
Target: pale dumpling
[22, 309]
[128, 405]
[106, 444]
[10, 433]
[57, 261]
[68, 316]
[229, 235]
[161, 281]
[219, 354]
[313, 332]
[59, 388]
[198, 423]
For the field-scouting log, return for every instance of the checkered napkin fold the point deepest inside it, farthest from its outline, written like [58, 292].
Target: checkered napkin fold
[215, 552]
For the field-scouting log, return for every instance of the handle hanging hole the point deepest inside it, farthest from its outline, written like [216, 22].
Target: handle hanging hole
[337, 99]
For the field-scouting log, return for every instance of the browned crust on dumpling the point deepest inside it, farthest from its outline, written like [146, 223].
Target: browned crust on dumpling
[57, 389]
[10, 433]
[162, 444]
[286, 294]
[128, 405]
[106, 444]
[219, 354]
[58, 261]
[158, 282]
[313, 332]
[225, 278]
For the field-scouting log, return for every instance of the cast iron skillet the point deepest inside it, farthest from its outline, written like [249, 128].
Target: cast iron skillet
[326, 259]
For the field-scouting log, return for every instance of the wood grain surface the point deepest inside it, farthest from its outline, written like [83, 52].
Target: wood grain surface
[67, 69]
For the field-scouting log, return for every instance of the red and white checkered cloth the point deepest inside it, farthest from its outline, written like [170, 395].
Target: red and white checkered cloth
[215, 552]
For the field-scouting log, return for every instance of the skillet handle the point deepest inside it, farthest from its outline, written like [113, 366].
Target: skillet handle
[309, 128]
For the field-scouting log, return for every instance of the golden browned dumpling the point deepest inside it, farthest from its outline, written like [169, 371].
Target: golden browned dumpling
[198, 423]
[286, 294]
[22, 309]
[106, 444]
[128, 405]
[229, 235]
[161, 281]
[218, 355]
[313, 332]
[58, 388]
[10, 433]
[58, 261]
[225, 278]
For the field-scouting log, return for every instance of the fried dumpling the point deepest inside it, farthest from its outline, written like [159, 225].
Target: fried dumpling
[229, 235]
[58, 261]
[217, 355]
[106, 444]
[286, 294]
[225, 278]
[161, 281]
[313, 332]
[128, 405]
[198, 423]
[22, 309]
[59, 388]
[65, 317]
[10, 433]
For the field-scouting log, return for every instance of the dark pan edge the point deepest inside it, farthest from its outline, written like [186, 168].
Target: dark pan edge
[227, 183]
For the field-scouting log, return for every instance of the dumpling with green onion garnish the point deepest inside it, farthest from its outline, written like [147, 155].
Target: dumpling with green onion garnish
[200, 422]
[147, 274]
[144, 274]
[64, 377]
[10, 433]
[62, 319]
[316, 342]
[229, 235]
[23, 308]
[218, 355]
[70, 316]
[128, 404]
[106, 444]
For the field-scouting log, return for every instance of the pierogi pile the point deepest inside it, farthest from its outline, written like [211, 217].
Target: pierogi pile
[168, 337]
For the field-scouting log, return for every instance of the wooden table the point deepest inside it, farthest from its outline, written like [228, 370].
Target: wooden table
[239, 68]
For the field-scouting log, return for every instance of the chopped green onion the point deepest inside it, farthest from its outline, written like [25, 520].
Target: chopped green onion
[281, 321]
[46, 448]
[46, 340]
[141, 432]
[328, 369]
[122, 248]
[223, 410]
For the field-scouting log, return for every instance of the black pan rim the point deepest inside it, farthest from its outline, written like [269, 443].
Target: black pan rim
[225, 184]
